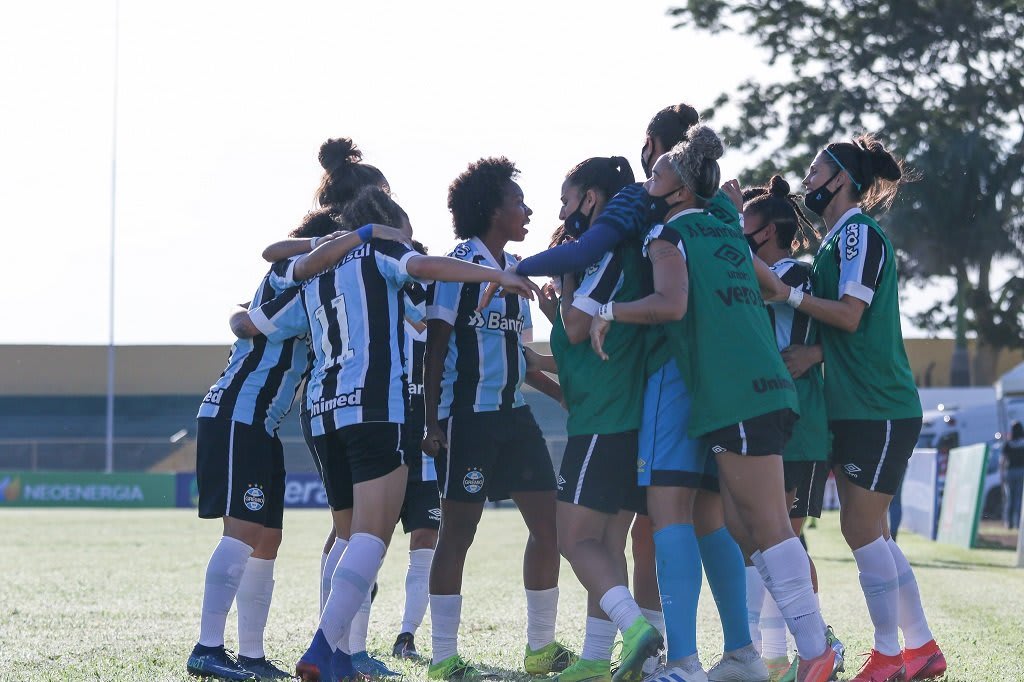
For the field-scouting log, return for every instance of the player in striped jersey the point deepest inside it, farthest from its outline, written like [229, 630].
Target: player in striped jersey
[353, 311]
[487, 443]
[873, 407]
[775, 228]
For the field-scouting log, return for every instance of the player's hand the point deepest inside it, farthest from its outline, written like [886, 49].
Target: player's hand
[598, 331]
[732, 190]
[328, 237]
[799, 359]
[391, 234]
[434, 440]
[510, 283]
[548, 301]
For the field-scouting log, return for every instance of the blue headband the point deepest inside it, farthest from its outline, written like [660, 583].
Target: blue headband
[843, 168]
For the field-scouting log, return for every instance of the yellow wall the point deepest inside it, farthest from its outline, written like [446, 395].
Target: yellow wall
[924, 352]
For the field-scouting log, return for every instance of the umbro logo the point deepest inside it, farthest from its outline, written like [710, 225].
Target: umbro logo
[730, 255]
[434, 514]
[852, 470]
[561, 481]
[717, 449]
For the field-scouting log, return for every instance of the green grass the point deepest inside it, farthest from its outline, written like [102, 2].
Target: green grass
[115, 595]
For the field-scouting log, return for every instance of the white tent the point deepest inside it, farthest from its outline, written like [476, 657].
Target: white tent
[1011, 383]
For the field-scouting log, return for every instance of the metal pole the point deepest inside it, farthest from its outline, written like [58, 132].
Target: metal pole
[113, 224]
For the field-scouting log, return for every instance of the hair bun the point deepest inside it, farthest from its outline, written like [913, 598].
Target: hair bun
[881, 162]
[705, 143]
[337, 152]
[778, 186]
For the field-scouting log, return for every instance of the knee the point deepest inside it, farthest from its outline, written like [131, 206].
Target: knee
[456, 536]
[856, 533]
[422, 539]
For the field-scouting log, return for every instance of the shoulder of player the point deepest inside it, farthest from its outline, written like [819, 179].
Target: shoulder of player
[463, 251]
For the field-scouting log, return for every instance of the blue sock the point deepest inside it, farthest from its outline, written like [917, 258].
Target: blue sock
[321, 654]
[678, 559]
[723, 564]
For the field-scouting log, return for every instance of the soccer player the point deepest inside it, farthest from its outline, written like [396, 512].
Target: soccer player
[604, 400]
[872, 403]
[486, 442]
[725, 354]
[775, 227]
[357, 395]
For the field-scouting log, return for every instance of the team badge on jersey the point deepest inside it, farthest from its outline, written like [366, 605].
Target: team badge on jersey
[254, 499]
[473, 481]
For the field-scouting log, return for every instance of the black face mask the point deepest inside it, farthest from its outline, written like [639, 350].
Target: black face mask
[754, 246]
[818, 200]
[659, 206]
[577, 222]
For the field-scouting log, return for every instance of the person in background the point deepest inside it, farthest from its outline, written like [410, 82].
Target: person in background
[1011, 466]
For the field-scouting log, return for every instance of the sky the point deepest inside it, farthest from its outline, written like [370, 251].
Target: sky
[222, 107]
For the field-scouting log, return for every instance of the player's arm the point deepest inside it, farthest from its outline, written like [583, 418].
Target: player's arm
[327, 255]
[599, 286]
[291, 247]
[241, 324]
[545, 384]
[280, 318]
[446, 269]
[536, 362]
[799, 359]
[438, 334]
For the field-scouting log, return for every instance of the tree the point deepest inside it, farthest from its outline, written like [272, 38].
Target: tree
[943, 83]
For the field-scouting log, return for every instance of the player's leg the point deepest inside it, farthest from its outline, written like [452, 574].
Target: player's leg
[421, 518]
[645, 573]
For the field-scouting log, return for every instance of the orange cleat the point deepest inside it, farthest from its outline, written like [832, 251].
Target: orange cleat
[882, 668]
[925, 662]
[820, 669]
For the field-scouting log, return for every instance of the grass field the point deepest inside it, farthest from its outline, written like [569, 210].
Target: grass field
[115, 595]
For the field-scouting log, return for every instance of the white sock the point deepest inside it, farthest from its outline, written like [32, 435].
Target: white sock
[360, 626]
[598, 639]
[352, 580]
[254, 594]
[786, 572]
[878, 580]
[657, 619]
[755, 599]
[445, 615]
[223, 574]
[541, 613]
[913, 622]
[773, 628]
[327, 567]
[620, 606]
[417, 579]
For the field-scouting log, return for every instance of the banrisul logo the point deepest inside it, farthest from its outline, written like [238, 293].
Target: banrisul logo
[10, 489]
[254, 499]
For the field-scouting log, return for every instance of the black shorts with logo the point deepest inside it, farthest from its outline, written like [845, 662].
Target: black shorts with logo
[808, 480]
[765, 434]
[873, 454]
[422, 506]
[491, 455]
[354, 454]
[239, 472]
[599, 472]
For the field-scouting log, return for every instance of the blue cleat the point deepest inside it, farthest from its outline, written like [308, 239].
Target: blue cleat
[371, 667]
[215, 662]
[262, 668]
[316, 664]
[343, 669]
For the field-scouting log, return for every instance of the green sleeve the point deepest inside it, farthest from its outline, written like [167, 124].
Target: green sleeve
[722, 208]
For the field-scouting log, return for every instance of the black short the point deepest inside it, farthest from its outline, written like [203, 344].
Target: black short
[422, 506]
[491, 455]
[808, 480]
[239, 472]
[873, 454]
[354, 454]
[599, 472]
[766, 434]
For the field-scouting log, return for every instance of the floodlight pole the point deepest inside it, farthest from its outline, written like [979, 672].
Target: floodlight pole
[111, 355]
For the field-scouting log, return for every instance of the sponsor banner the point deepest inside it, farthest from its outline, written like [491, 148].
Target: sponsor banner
[961, 499]
[920, 494]
[72, 489]
[301, 490]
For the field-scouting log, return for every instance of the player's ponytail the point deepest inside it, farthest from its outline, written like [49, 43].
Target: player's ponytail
[776, 204]
[344, 174]
[876, 172]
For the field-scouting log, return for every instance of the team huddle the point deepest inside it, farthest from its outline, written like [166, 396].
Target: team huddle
[711, 380]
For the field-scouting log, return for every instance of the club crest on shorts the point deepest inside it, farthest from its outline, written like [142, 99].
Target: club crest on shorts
[473, 481]
[254, 499]
[434, 514]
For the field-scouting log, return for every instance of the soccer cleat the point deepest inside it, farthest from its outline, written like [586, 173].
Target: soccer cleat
[342, 670]
[552, 658]
[778, 667]
[820, 669]
[369, 666]
[640, 641]
[925, 662]
[215, 662]
[453, 668]
[316, 664]
[743, 665]
[837, 646]
[263, 669]
[678, 674]
[585, 671]
[405, 647]
[882, 668]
